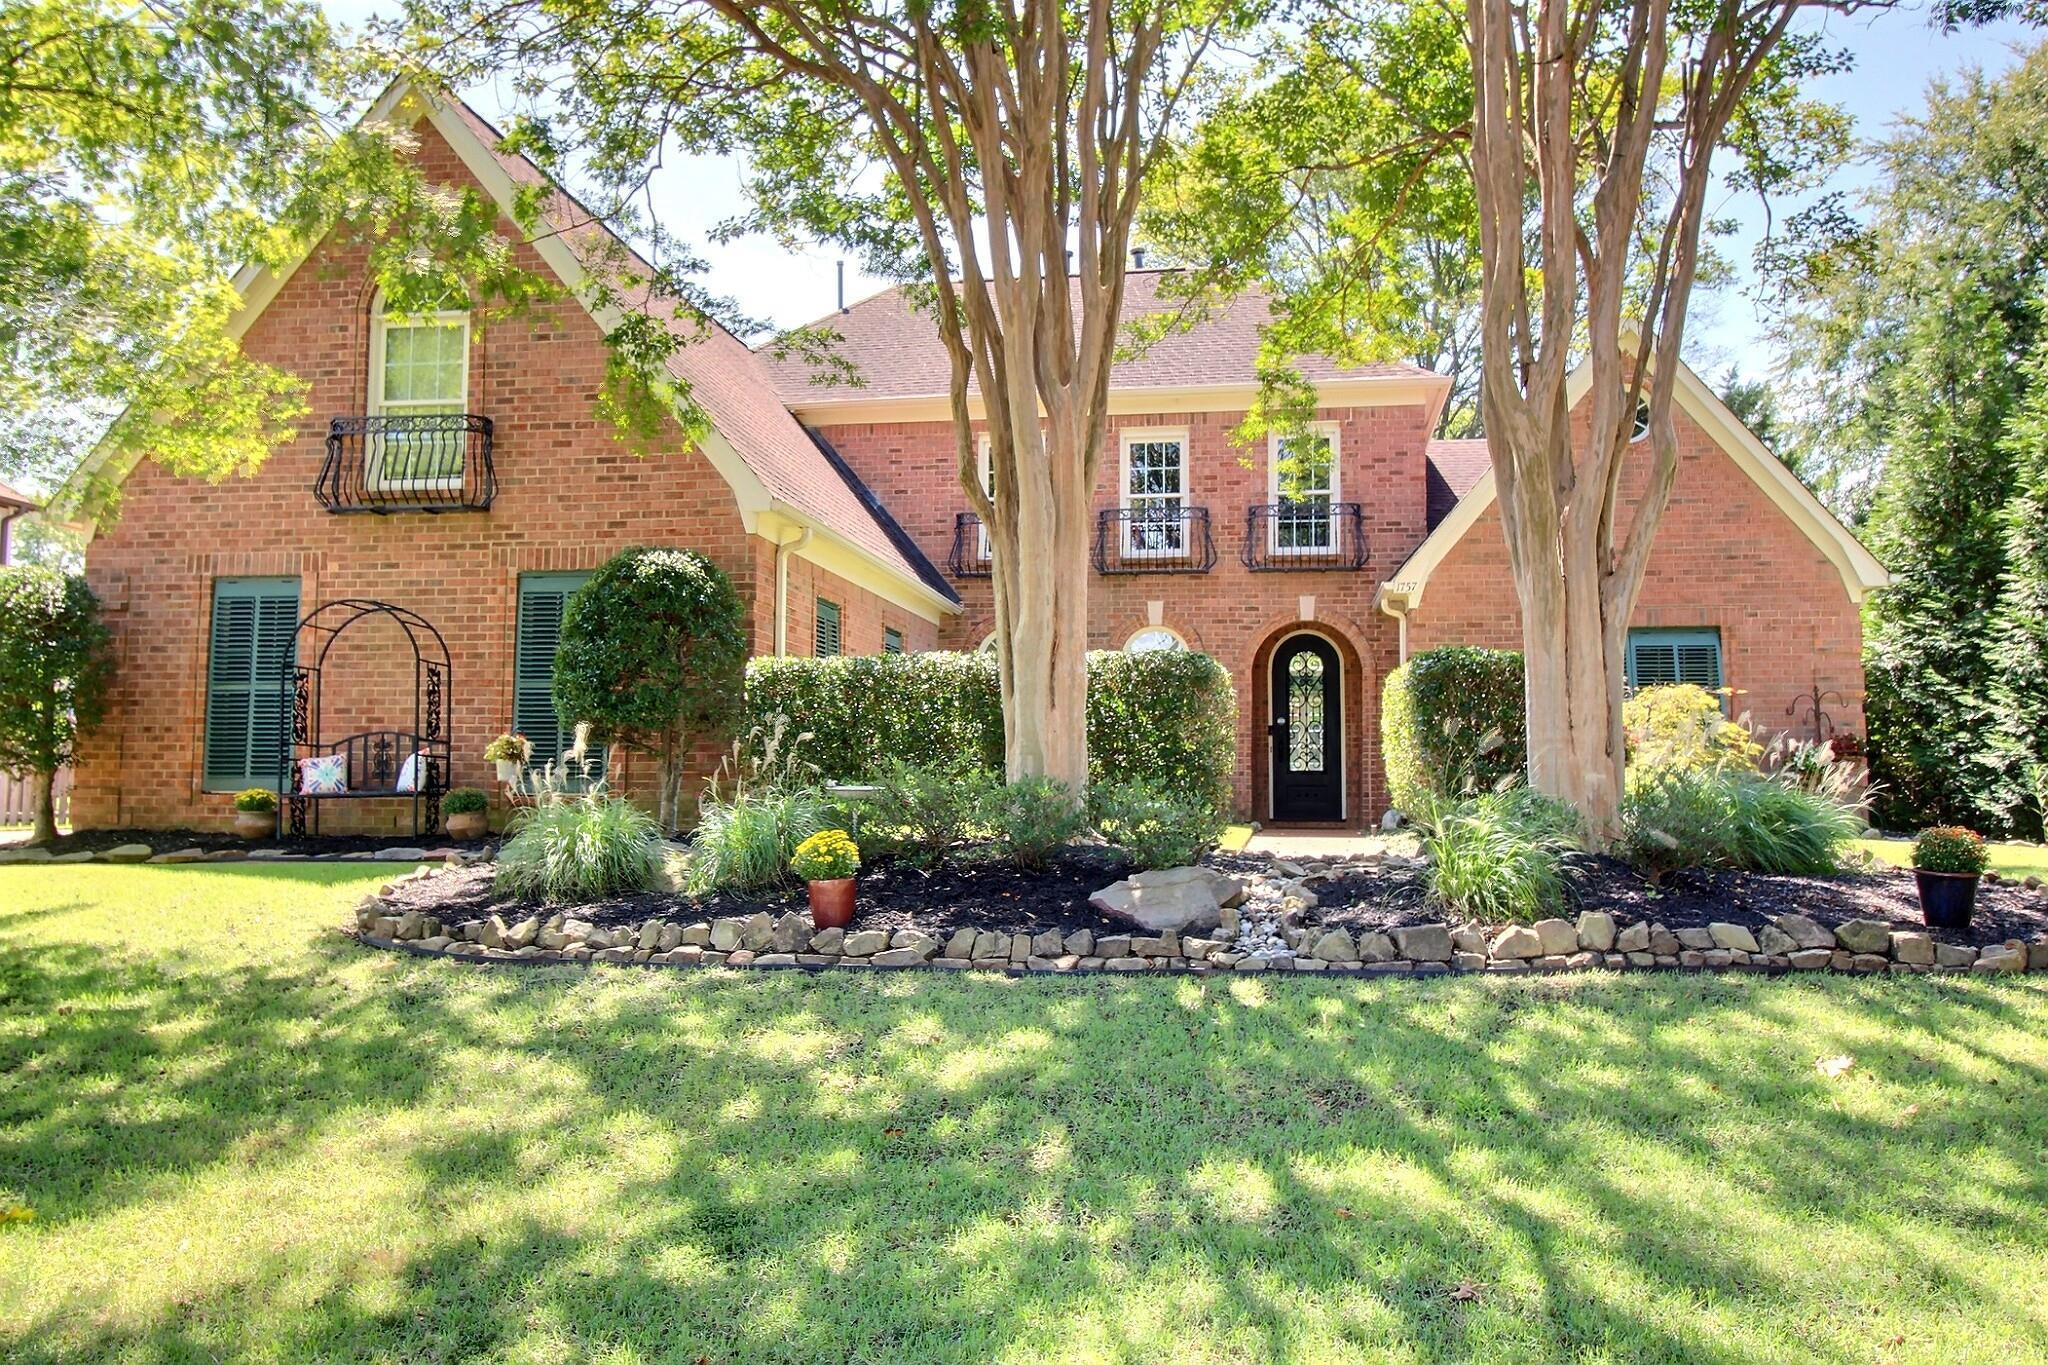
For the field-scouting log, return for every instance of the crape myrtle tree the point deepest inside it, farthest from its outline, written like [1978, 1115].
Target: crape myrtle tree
[1587, 134]
[653, 656]
[56, 662]
[974, 149]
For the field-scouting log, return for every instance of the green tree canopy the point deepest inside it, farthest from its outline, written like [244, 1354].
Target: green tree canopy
[653, 656]
[56, 663]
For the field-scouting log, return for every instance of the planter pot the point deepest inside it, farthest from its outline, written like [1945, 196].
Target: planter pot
[469, 824]
[255, 824]
[832, 903]
[508, 771]
[1947, 899]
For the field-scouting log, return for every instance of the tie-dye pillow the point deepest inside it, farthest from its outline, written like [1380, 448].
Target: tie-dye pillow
[326, 775]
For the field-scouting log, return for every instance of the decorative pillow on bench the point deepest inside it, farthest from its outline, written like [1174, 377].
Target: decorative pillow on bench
[410, 773]
[326, 775]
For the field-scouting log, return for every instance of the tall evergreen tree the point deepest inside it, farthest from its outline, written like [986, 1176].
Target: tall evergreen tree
[2019, 641]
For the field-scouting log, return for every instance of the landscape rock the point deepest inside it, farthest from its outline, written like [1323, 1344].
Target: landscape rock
[725, 934]
[1377, 947]
[1424, 942]
[756, 931]
[1596, 930]
[1163, 945]
[1334, 946]
[1864, 935]
[1634, 939]
[1734, 937]
[961, 944]
[1113, 946]
[1049, 944]
[1558, 937]
[2002, 957]
[1917, 949]
[2037, 955]
[128, 853]
[1080, 943]
[1468, 938]
[865, 943]
[183, 855]
[1517, 941]
[1663, 942]
[649, 936]
[1176, 898]
[905, 957]
[790, 932]
[913, 941]
[1954, 955]
[1805, 931]
[1776, 941]
[990, 944]
[1695, 938]
[697, 935]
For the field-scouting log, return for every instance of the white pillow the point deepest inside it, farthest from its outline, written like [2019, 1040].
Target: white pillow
[409, 775]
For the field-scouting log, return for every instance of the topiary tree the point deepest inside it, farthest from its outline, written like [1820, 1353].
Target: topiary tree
[56, 660]
[653, 655]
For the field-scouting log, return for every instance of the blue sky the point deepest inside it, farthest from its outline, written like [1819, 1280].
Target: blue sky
[1897, 53]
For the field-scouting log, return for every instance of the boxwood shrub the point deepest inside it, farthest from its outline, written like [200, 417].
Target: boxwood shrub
[1452, 722]
[1168, 718]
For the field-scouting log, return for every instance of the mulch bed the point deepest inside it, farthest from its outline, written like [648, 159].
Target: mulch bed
[211, 841]
[984, 894]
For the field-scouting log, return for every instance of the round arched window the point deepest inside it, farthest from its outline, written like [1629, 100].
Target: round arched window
[1642, 427]
[1153, 638]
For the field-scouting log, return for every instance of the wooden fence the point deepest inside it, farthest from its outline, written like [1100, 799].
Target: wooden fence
[18, 803]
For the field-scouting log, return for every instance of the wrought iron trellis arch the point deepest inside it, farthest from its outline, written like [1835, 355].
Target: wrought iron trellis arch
[369, 753]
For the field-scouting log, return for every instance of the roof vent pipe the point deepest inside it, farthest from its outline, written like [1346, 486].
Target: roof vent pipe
[842, 285]
[1137, 258]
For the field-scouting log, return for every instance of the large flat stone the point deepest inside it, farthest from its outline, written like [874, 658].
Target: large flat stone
[1424, 942]
[1180, 899]
[1864, 936]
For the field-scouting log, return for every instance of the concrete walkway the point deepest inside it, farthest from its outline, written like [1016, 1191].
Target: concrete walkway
[1315, 843]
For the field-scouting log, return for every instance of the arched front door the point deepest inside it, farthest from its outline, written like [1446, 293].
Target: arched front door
[1307, 731]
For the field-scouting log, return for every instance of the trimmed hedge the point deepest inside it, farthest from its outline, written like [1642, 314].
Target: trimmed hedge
[1168, 717]
[1438, 717]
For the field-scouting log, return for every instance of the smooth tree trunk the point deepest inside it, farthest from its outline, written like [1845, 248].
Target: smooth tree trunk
[44, 788]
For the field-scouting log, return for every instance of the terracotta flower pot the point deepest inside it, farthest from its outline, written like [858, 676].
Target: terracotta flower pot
[832, 903]
[468, 824]
[508, 770]
[255, 824]
[1947, 899]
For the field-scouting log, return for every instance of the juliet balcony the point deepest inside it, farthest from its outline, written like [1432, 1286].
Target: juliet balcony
[969, 558]
[1306, 535]
[417, 462]
[1162, 538]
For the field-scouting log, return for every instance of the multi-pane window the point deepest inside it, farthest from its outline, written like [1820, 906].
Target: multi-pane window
[828, 629]
[543, 602]
[1657, 657]
[255, 628]
[1304, 474]
[419, 368]
[1155, 495]
[892, 640]
[1152, 639]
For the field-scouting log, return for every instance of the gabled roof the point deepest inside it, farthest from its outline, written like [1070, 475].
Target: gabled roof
[1453, 467]
[765, 455]
[1860, 571]
[894, 347]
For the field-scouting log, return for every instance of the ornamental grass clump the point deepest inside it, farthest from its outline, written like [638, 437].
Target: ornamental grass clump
[1499, 857]
[1731, 817]
[764, 802]
[1951, 848]
[830, 855]
[582, 848]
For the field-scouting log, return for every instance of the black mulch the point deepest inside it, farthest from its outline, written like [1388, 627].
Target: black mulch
[172, 840]
[984, 894]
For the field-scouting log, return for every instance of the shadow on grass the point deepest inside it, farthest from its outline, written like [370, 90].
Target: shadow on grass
[913, 1167]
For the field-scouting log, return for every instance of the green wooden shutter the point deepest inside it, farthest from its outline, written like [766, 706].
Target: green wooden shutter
[828, 628]
[543, 599]
[892, 640]
[1674, 656]
[255, 624]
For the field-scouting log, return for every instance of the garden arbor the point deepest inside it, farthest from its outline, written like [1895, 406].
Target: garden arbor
[413, 764]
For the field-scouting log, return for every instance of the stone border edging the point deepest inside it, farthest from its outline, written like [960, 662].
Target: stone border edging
[144, 854]
[1790, 943]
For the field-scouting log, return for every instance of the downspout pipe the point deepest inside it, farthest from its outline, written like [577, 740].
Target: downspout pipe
[783, 549]
[1400, 615]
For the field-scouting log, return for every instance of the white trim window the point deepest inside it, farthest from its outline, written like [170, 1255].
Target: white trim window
[1154, 493]
[1151, 639]
[1303, 478]
[419, 367]
[988, 486]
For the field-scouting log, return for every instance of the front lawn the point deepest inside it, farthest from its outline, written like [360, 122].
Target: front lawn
[242, 1136]
[2008, 860]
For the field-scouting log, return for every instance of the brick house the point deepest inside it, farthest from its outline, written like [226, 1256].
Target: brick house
[465, 479]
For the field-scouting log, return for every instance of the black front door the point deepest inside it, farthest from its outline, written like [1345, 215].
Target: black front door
[1307, 732]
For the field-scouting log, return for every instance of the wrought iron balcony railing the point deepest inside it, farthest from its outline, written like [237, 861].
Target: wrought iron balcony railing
[414, 463]
[1310, 534]
[1156, 539]
[969, 558]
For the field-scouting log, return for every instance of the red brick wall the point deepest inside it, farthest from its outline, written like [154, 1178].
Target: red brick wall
[1726, 557]
[569, 496]
[1231, 612]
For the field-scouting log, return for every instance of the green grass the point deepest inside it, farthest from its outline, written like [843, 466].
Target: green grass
[313, 1151]
[2008, 860]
